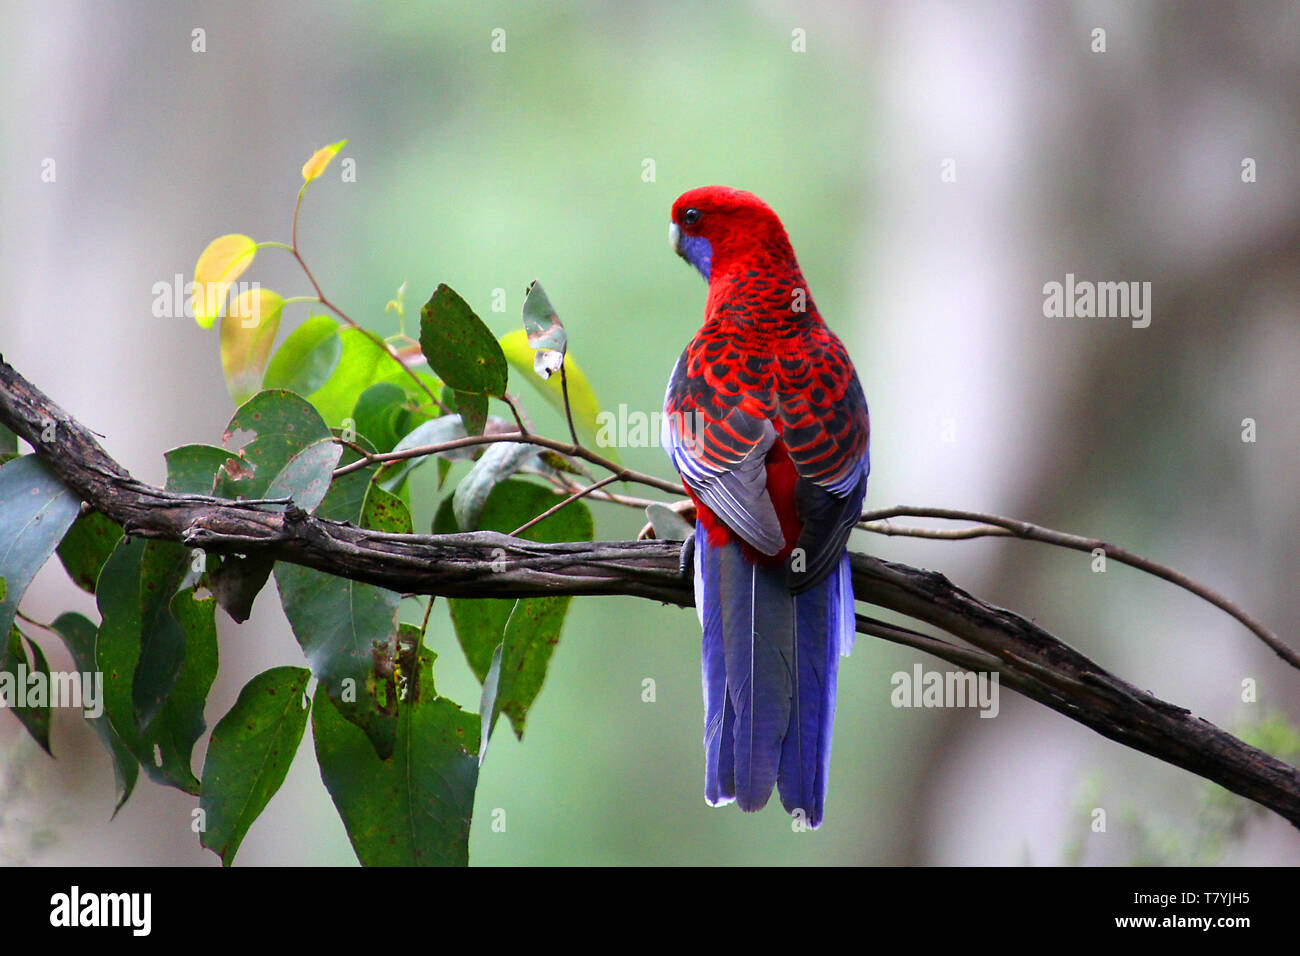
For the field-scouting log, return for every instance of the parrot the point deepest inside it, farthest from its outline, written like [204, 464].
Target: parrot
[766, 422]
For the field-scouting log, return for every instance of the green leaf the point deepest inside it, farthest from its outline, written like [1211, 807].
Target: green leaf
[139, 609]
[473, 408]
[282, 424]
[587, 416]
[382, 416]
[235, 582]
[79, 635]
[86, 547]
[247, 333]
[306, 478]
[499, 462]
[531, 631]
[16, 669]
[192, 469]
[163, 566]
[36, 511]
[361, 364]
[459, 347]
[339, 622]
[307, 358]
[249, 755]
[172, 735]
[8, 444]
[488, 711]
[413, 809]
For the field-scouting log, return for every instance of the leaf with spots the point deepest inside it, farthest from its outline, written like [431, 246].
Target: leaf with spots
[415, 808]
[306, 477]
[249, 755]
[281, 424]
[459, 347]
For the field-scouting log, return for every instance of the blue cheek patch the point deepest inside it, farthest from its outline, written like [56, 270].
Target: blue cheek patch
[698, 252]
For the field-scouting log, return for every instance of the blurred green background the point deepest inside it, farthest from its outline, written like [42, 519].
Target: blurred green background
[487, 169]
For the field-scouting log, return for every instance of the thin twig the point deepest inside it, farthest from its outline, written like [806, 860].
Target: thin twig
[1032, 532]
[573, 451]
[567, 501]
[568, 409]
[520, 419]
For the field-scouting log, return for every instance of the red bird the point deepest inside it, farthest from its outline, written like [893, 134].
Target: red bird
[767, 424]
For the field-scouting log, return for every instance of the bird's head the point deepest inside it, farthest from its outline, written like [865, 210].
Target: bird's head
[713, 225]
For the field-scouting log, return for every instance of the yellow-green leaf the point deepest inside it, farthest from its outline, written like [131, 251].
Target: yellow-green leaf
[247, 333]
[222, 262]
[319, 160]
[582, 399]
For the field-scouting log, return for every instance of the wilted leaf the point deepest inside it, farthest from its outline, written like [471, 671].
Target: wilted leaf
[545, 332]
[668, 524]
[219, 265]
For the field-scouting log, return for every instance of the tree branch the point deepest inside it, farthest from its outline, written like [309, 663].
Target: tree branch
[487, 564]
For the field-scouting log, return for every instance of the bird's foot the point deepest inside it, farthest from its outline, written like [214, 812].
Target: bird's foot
[686, 562]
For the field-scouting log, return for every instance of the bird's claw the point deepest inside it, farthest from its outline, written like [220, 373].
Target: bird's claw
[686, 562]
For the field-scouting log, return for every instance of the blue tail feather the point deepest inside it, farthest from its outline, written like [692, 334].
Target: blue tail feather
[770, 664]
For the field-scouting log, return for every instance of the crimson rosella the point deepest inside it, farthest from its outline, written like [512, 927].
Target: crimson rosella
[766, 422]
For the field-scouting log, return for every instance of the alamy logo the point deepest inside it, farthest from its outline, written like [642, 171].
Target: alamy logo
[28, 688]
[1083, 299]
[922, 688]
[75, 908]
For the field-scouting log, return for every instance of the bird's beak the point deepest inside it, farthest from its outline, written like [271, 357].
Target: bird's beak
[675, 237]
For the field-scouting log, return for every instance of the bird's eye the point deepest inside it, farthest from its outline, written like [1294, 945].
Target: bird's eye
[691, 216]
